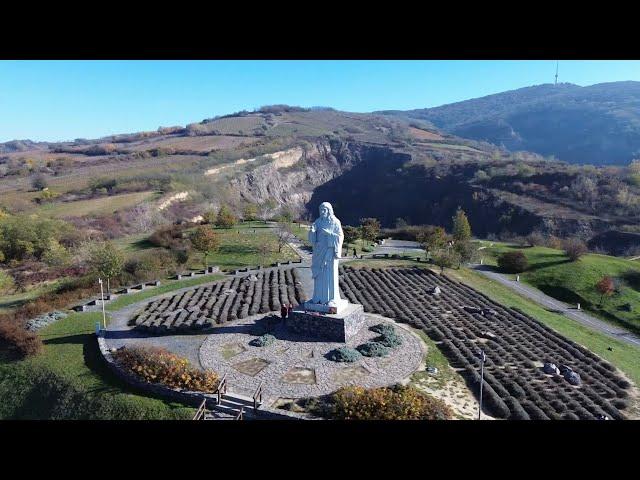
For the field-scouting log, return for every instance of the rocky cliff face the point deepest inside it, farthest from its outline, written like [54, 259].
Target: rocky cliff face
[292, 184]
[366, 180]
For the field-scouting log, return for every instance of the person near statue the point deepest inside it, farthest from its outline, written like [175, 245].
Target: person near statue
[326, 237]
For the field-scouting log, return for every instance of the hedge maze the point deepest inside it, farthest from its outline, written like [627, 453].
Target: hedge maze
[225, 301]
[461, 321]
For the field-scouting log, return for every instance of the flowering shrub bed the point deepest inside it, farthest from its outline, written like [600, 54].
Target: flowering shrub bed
[461, 320]
[400, 403]
[157, 365]
[226, 301]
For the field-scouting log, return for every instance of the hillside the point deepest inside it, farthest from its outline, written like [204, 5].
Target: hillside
[367, 165]
[598, 124]
[553, 273]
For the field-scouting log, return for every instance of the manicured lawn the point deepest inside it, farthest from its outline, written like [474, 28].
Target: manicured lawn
[624, 356]
[240, 247]
[552, 272]
[301, 231]
[70, 381]
[166, 286]
[361, 246]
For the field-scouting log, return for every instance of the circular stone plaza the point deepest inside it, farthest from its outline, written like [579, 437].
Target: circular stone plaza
[215, 326]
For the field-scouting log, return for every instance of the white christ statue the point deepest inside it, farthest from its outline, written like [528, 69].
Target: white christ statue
[326, 238]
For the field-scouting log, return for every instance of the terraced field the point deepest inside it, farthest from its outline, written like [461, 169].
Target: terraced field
[226, 301]
[462, 320]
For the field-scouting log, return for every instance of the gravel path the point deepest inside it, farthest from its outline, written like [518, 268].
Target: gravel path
[548, 302]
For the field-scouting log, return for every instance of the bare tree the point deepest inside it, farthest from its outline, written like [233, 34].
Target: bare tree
[283, 232]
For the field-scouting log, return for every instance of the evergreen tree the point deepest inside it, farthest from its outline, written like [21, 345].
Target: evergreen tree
[461, 227]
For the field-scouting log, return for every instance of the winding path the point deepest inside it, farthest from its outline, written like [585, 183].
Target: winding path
[548, 302]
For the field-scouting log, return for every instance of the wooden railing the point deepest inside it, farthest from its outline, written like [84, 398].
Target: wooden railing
[257, 396]
[202, 410]
[240, 415]
[222, 388]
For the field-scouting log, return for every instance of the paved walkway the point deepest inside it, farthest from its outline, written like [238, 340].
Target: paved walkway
[572, 312]
[399, 247]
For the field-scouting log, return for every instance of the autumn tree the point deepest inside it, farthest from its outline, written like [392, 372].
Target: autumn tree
[225, 218]
[461, 227]
[446, 259]
[106, 261]
[206, 241]
[250, 212]
[351, 234]
[606, 286]
[432, 238]
[369, 229]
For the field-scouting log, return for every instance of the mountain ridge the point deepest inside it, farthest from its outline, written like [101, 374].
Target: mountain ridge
[597, 124]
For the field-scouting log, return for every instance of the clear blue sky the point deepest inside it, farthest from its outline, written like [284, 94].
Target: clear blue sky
[63, 100]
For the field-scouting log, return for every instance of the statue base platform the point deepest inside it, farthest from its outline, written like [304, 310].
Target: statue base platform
[330, 327]
[333, 307]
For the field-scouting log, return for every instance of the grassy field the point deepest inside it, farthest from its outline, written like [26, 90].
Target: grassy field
[240, 247]
[361, 246]
[9, 302]
[95, 206]
[301, 231]
[551, 272]
[70, 381]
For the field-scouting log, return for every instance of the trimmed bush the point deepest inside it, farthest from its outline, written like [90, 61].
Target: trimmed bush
[383, 328]
[400, 403]
[263, 340]
[344, 354]
[513, 262]
[157, 365]
[373, 349]
[390, 340]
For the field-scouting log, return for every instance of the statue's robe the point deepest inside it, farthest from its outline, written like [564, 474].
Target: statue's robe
[327, 248]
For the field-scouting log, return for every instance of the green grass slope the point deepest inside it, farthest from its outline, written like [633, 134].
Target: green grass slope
[70, 381]
[552, 272]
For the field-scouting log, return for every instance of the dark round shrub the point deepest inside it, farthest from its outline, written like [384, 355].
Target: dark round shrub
[534, 411]
[344, 354]
[517, 412]
[620, 403]
[263, 340]
[390, 340]
[513, 262]
[515, 389]
[383, 328]
[373, 349]
[622, 383]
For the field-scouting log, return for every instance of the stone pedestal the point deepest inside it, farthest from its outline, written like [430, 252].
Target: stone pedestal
[339, 327]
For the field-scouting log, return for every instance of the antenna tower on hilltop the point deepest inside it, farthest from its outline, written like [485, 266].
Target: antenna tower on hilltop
[557, 62]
